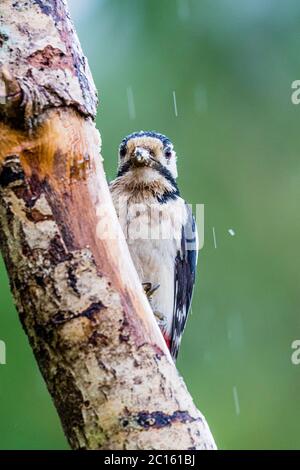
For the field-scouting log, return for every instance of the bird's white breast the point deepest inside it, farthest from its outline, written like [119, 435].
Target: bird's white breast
[153, 232]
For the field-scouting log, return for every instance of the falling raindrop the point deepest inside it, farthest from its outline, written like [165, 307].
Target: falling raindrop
[207, 356]
[236, 400]
[235, 331]
[175, 104]
[183, 9]
[214, 236]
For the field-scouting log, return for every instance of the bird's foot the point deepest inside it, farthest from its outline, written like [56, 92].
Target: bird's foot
[161, 320]
[150, 288]
[159, 316]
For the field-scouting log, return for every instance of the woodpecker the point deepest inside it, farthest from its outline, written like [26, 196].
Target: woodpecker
[159, 228]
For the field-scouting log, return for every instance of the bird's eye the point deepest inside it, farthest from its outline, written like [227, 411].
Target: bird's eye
[122, 151]
[168, 153]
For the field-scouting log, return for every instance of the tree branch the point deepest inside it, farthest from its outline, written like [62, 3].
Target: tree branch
[78, 295]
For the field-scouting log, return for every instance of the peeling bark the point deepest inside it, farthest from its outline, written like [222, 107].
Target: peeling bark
[79, 299]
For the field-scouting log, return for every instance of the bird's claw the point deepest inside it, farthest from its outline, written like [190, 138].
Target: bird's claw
[160, 318]
[150, 288]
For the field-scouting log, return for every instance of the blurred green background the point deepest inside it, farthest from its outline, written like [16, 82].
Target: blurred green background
[231, 65]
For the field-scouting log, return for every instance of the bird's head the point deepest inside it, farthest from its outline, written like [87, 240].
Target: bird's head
[147, 157]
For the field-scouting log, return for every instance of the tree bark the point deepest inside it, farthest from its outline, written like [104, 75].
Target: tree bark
[79, 298]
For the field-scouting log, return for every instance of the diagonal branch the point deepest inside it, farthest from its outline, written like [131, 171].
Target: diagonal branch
[79, 298]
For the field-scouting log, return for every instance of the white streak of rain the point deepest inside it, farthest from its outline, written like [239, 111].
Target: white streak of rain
[214, 235]
[236, 400]
[175, 104]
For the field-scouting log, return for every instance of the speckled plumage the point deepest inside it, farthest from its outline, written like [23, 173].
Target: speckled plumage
[159, 227]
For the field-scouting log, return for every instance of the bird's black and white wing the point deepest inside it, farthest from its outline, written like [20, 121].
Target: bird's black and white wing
[185, 271]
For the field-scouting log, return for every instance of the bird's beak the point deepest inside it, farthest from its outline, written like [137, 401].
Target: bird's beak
[141, 157]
